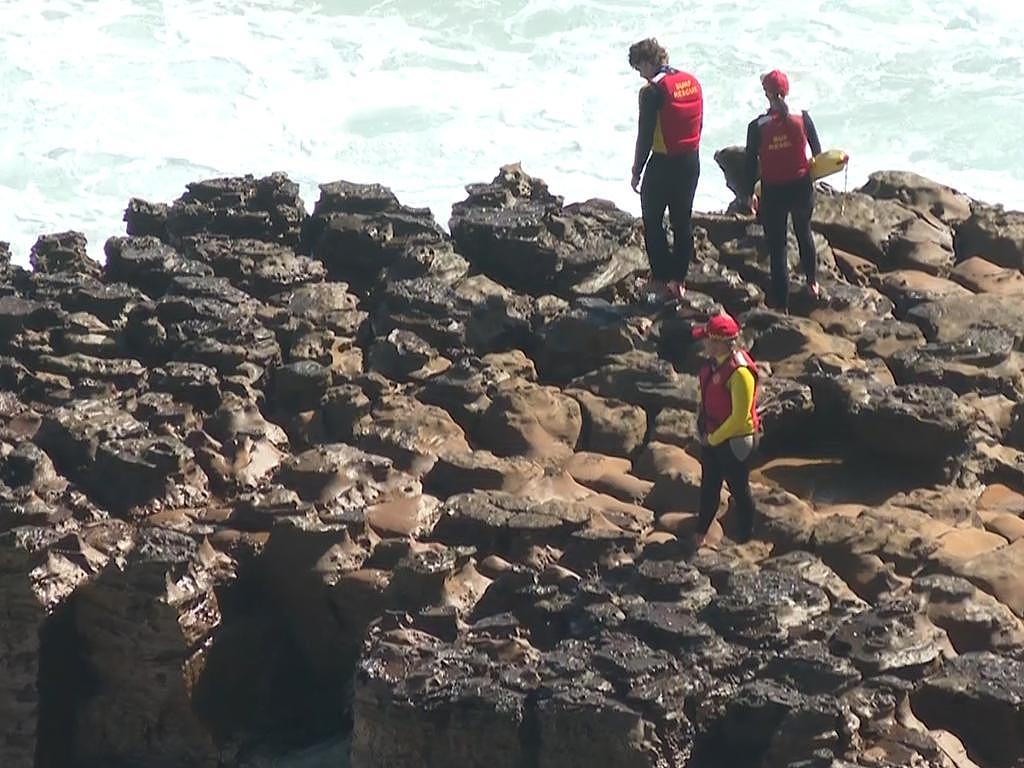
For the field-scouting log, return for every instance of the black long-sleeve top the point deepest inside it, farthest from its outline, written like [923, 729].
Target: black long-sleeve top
[651, 98]
[754, 147]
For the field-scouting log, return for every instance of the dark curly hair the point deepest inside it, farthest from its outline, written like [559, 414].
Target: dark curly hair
[649, 50]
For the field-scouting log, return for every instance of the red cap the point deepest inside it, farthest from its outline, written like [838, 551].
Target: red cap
[721, 326]
[776, 82]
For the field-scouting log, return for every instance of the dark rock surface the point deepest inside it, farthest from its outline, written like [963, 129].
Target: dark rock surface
[271, 481]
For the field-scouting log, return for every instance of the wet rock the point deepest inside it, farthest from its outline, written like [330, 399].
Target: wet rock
[676, 426]
[236, 417]
[948, 319]
[981, 276]
[994, 234]
[18, 314]
[516, 232]
[188, 382]
[108, 302]
[63, 252]
[259, 268]
[148, 264]
[72, 435]
[786, 408]
[843, 310]
[812, 570]
[243, 207]
[610, 426]
[300, 386]
[501, 523]
[885, 337]
[577, 341]
[122, 374]
[973, 620]
[667, 581]
[148, 624]
[462, 391]
[160, 470]
[786, 342]
[920, 194]
[893, 638]
[35, 579]
[527, 419]
[448, 699]
[404, 356]
[427, 306]
[326, 305]
[343, 478]
[859, 224]
[480, 470]
[357, 230]
[411, 434]
[978, 696]
[642, 379]
[982, 361]
[917, 423]
[908, 288]
[438, 260]
[998, 572]
[761, 609]
[726, 287]
[924, 245]
[758, 724]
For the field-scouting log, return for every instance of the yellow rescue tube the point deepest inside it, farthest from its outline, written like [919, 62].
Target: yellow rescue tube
[822, 165]
[828, 162]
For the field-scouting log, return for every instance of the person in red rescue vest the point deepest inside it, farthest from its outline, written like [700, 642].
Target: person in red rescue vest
[778, 141]
[667, 144]
[728, 423]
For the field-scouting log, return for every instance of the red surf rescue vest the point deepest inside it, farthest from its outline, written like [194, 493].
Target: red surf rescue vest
[716, 399]
[783, 150]
[681, 117]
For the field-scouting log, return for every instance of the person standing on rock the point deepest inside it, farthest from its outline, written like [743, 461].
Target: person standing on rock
[667, 144]
[728, 423]
[777, 152]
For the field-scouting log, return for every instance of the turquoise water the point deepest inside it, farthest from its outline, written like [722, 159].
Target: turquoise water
[109, 99]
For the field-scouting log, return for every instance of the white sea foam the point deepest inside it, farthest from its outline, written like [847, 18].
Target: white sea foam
[109, 99]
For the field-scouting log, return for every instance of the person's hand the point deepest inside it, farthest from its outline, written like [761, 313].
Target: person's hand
[634, 182]
[750, 203]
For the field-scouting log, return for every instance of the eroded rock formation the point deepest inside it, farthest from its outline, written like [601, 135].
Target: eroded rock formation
[270, 481]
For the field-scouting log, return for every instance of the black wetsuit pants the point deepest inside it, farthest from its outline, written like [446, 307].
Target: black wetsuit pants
[669, 181]
[718, 463]
[780, 202]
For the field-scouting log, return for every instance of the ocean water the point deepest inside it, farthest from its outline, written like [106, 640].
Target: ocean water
[103, 100]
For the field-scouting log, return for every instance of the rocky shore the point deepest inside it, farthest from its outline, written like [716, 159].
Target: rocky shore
[277, 487]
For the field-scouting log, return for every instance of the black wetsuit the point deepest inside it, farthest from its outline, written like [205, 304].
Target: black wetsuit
[669, 181]
[781, 201]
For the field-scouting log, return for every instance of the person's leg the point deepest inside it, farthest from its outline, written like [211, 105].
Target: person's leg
[710, 487]
[685, 174]
[736, 470]
[773, 213]
[653, 201]
[801, 212]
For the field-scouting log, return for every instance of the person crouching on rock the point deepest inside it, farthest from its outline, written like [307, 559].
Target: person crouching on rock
[728, 423]
[778, 141]
[667, 144]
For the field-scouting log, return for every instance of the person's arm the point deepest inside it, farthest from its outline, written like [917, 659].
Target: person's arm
[741, 389]
[812, 135]
[650, 103]
[753, 147]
